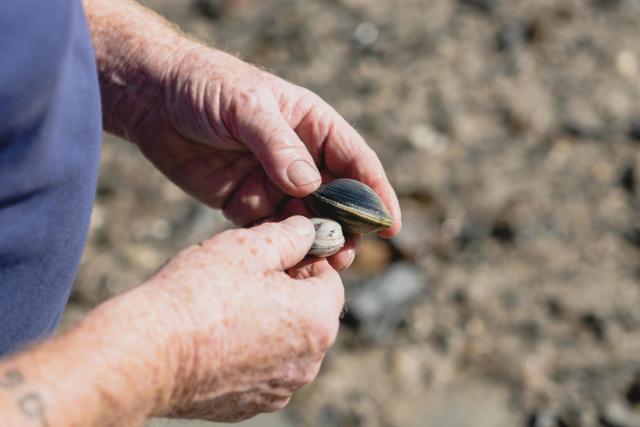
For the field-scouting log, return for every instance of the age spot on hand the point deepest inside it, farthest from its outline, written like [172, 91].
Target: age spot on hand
[253, 250]
[269, 240]
[241, 240]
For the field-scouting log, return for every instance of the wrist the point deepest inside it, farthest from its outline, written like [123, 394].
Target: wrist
[133, 64]
[114, 368]
[133, 354]
[147, 348]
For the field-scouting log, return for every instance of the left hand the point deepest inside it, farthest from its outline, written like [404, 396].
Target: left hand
[240, 139]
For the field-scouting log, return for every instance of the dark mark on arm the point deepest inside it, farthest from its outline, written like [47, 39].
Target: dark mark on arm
[11, 379]
[33, 407]
[31, 404]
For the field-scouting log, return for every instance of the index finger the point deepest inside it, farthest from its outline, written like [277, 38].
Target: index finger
[347, 155]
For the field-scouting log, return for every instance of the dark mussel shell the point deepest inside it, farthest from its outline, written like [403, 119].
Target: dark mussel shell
[353, 204]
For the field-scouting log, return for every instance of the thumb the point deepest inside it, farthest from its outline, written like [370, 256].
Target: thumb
[282, 154]
[282, 245]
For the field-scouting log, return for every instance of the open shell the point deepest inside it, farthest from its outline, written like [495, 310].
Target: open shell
[353, 204]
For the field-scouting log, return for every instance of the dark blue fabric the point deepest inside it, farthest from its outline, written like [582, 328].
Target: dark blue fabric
[50, 125]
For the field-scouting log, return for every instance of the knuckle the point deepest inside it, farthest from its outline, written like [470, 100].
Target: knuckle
[327, 335]
[251, 98]
[311, 96]
[321, 334]
[310, 374]
[334, 294]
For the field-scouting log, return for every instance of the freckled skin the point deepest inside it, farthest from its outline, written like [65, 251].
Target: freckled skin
[219, 332]
[194, 341]
[275, 331]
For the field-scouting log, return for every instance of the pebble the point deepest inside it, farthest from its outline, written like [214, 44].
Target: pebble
[545, 418]
[373, 256]
[633, 392]
[366, 34]
[511, 36]
[212, 9]
[160, 229]
[380, 304]
[627, 64]
[617, 414]
[97, 218]
[450, 229]
[634, 130]
[422, 137]
[484, 6]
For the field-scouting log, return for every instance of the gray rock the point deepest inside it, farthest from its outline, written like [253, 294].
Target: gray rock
[212, 9]
[617, 414]
[380, 304]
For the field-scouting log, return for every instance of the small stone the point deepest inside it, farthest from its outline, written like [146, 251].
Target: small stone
[545, 418]
[608, 4]
[634, 130]
[380, 304]
[422, 137]
[511, 36]
[628, 179]
[373, 256]
[633, 392]
[160, 229]
[503, 231]
[212, 9]
[594, 324]
[97, 218]
[627, 64]
[582, 121]
[450, 229]
[484, 6]
[366, 34]
[617, 414]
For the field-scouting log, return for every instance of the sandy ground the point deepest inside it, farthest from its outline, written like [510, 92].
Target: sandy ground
[511, 131]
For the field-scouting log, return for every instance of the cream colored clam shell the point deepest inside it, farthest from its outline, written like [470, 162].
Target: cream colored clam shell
[329, 238]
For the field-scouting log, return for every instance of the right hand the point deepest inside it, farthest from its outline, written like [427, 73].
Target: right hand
[249, 326]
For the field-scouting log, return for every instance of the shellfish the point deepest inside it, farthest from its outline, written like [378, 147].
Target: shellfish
[352, 204]
[329, 238]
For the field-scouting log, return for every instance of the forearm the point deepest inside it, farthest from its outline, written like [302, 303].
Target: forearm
[133, 46]
[97, 374]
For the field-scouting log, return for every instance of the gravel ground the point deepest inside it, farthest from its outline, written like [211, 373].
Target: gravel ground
[511, 131]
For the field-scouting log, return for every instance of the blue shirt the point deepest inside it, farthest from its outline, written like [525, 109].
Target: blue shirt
[50, 124]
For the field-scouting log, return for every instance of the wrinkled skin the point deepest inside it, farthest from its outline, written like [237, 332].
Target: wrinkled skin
[254, 332]
[228, 133]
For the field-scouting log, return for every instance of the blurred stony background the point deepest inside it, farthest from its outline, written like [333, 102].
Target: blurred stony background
[511, 132]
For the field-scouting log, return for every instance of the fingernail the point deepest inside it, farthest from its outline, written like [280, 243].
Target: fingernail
[302, 173]
[352, 256]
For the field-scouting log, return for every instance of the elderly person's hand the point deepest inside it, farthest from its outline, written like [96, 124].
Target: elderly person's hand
[252, 327]
[227, 329]
[233, 136]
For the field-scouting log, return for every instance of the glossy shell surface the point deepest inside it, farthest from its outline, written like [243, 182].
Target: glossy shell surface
[353, 204]
[329, 238]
